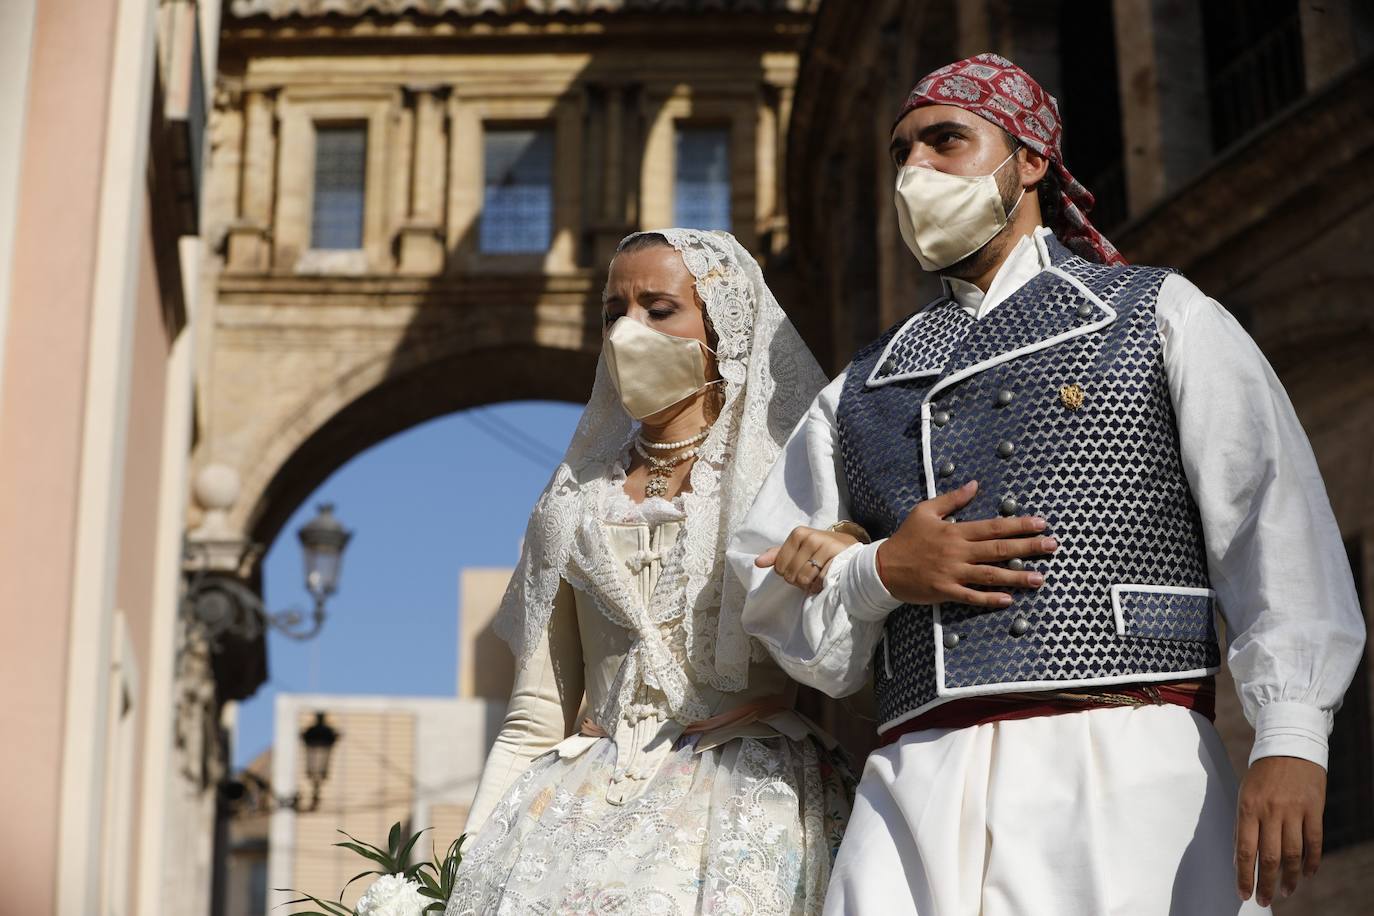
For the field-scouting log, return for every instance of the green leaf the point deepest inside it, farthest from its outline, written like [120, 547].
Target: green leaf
[404, 855]
[393, 840]
[363, 874]
[330, 908]
[376, 849]
[380, 858]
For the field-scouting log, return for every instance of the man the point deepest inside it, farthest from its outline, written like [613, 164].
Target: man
[1068, 466]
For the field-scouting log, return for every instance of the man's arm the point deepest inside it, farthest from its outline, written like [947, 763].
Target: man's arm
[826, 636]
[824, 640]
[1276, 559]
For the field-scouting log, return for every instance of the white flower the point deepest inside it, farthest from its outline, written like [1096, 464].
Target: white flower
[392, 895]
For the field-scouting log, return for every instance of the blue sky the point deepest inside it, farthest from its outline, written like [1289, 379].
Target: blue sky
[450, 493]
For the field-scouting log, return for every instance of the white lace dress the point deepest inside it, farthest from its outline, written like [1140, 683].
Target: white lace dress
[743, 818]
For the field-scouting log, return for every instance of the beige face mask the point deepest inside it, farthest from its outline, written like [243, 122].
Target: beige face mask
[945, 218]
[651, 370]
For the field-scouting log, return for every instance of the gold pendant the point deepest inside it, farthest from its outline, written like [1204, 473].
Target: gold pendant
[657, 486]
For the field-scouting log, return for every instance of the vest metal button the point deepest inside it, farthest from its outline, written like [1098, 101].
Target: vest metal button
[940, 417]
[1004, 397]
[1005, 449]
[947, 469]
[1019, 626]
[951, 640]
[888, 367]
[1016, 564]
[1084, 310]
[1008, 506]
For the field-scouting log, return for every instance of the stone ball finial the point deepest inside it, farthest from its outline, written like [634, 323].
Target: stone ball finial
[217, 487]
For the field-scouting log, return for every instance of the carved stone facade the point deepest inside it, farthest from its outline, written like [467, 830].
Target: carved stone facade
[1262, 197]
[312, 355]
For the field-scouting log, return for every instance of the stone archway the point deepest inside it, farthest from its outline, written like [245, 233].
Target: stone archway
[317, 402]
[399, 402]
[310, 355]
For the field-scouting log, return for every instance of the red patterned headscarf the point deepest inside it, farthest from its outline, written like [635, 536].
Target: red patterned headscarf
[997, 90]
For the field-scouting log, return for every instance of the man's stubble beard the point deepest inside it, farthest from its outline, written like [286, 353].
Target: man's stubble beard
[978, 263]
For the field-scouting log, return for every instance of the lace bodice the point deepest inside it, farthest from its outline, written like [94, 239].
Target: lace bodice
[634, 648]
[690, 634]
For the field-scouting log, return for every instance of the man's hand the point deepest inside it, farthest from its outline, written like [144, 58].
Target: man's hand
[1279, 819]
[805, 556]
[929, 560]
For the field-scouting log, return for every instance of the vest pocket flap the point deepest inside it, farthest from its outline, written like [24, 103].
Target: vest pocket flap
[1165, 612]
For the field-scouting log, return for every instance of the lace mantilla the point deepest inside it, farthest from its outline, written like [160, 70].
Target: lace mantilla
[770, 380]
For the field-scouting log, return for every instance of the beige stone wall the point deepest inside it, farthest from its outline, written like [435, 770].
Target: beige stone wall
[485, 666]
[316, 355]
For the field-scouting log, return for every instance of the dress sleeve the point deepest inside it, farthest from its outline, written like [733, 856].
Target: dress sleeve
[543, 708]
[1274, 552]
[823, 640]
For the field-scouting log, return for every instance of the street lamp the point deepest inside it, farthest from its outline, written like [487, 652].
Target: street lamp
[323, 541]
[319, 740]
[220, 603]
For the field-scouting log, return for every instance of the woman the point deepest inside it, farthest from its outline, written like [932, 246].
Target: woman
[689, 784]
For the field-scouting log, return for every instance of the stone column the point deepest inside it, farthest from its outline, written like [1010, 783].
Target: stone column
[1328, 39]
[422, 233]
[766, 144]
[465, 180]
[782, 237]
[658, 159]
[613, 175]
[569, 216]
[609, 222]
[224, 166]
[250, 249]
[1166, 126]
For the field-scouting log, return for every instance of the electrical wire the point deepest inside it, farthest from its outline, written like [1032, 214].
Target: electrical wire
[514, 438]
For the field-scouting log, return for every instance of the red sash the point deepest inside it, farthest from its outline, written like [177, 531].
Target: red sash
[1200, 696]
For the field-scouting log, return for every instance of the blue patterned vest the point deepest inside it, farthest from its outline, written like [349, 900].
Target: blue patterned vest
[943, 399]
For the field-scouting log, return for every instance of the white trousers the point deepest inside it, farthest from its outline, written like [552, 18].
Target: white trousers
[1110, 812]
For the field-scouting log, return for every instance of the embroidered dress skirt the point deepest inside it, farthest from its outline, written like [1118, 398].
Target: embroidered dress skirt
[749, 826]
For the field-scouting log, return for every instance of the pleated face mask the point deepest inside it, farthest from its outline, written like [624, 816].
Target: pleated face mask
[945, 218]
[651, 370]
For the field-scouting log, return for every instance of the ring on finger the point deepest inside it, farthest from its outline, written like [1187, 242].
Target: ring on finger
[815, 564]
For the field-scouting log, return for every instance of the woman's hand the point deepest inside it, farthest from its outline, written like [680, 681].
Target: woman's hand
[804, 557]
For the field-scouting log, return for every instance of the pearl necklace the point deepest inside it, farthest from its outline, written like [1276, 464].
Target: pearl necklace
[660, 469]
[669, 446]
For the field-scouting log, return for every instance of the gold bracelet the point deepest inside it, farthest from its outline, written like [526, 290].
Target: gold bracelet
[854, 530]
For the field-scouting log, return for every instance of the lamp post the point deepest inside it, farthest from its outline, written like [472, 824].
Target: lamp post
[219, 602]
[319, 740]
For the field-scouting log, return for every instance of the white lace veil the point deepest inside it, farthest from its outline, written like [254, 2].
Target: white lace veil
[770, 380]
